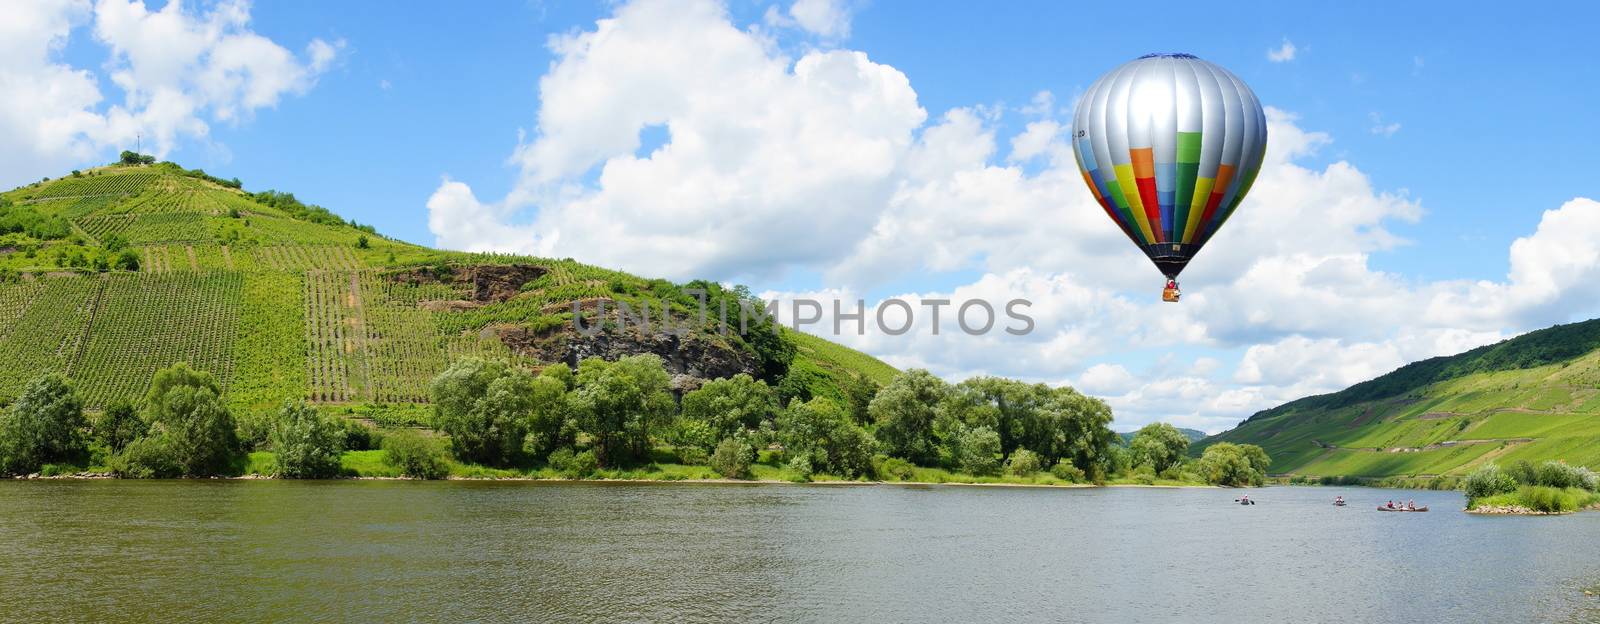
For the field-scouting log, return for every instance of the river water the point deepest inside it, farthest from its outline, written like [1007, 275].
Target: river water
[383, 551]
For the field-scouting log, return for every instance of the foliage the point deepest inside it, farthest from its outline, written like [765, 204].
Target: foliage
[1159, 444]
[732, 458]
[728, 406]
[44, 426]
[818, 432]
[575, 465]
[359, 436]
[1489, 480]
[620, 403]
[1234, 465]
[117, 426]
[1022, 463]
[191, 433]
[978, 451]
[905, 411]
[307, 443]
[135, 158]
[415, 455]
[896, 468]
[495, 413]
[1065, 471]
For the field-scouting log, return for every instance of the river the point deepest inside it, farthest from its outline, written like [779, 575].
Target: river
[382, 551]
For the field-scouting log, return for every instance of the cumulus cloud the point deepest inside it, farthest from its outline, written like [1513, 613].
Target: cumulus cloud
[1283, 53]
[827, 18]
[1382, 129]
[178, 71]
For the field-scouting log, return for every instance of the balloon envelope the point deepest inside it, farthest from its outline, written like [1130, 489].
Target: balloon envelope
[1169, 144]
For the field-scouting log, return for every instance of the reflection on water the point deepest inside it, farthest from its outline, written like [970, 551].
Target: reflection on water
[386, 551]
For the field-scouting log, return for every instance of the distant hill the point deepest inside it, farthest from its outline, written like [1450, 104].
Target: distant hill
[1533, 397]
[110, 274]
[1192, 434]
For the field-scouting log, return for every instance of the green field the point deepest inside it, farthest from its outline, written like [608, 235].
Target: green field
[1533, 398]
[281, 300]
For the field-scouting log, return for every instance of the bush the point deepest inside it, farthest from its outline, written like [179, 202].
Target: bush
[255, 429]
[1547, 499]
[44, 426]
[359, 436]
[1489, 480]
[1065, 471]
[1022, 463]
[573, 465]
[483, 407]
[148, 457]
[416, 455]
[800, 465]
[693, 456]
[732, 458]
[1559, 474]
[307, 444]
[896, 468]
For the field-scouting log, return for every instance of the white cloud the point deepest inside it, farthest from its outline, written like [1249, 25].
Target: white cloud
[1283, 53]
[1383, 129]
[176, 69]
[826, 18]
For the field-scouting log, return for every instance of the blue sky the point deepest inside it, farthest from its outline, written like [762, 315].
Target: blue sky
[1466, 126]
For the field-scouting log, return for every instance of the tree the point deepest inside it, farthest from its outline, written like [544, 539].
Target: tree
[127, 260]
[191, 433]
[1023, 462]
[619, 404]
[118, 426]
[487, 409]
[1235, 465]
[905, 411]
[307, 443]
[1159, 444]
[978, 451]
[45, 426]
[818, 434]
[729, 405]
[415, 455]
[362, 242]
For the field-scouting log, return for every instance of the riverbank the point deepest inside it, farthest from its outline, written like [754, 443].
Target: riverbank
[370, 465]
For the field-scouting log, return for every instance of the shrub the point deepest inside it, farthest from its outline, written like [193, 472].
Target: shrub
[732, 458]
[1022, 463]
[192, 425]
[148, 457]
[255, 429]
[44, 426]
[1489, 480]
[1547, 499]
[800, 465]
[693, 455]
[307, 444]
[1523, 472]
[1065, 471]
[574, 465]
[1559, 474]
[896, 468]
[359, 436]
[415, 455]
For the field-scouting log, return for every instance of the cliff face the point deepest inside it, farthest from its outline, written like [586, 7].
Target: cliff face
[693, 354]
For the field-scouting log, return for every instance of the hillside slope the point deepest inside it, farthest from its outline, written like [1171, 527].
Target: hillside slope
[110, 274]
[1533, 397]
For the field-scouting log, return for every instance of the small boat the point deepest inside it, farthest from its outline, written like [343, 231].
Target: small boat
[1338, 503]
[1383, 508]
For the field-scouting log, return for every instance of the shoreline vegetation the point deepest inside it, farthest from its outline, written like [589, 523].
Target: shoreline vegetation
[617, 421]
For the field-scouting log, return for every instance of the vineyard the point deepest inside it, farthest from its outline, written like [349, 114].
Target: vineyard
[122, 183]
[133, 333]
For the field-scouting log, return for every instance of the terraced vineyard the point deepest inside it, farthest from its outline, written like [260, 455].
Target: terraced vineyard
[276, 306]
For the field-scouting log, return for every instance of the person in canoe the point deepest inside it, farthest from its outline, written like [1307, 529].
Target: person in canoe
[1411, 505]
[1338, 501]
[1390, 505]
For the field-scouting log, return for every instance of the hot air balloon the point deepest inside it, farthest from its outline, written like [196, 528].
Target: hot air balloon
[1169, 145]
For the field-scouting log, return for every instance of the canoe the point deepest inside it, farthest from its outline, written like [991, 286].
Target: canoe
[1382, 508]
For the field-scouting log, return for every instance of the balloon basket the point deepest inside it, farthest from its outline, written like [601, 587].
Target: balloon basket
[1170, 295]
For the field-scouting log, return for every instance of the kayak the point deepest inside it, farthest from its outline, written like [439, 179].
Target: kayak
[1338, 503]
[1382, 508]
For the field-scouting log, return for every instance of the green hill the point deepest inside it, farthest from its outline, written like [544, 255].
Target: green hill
[1534, 397]
[110, 274]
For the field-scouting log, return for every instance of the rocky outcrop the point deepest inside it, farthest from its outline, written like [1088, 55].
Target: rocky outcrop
[490, 283]
[694, 355]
